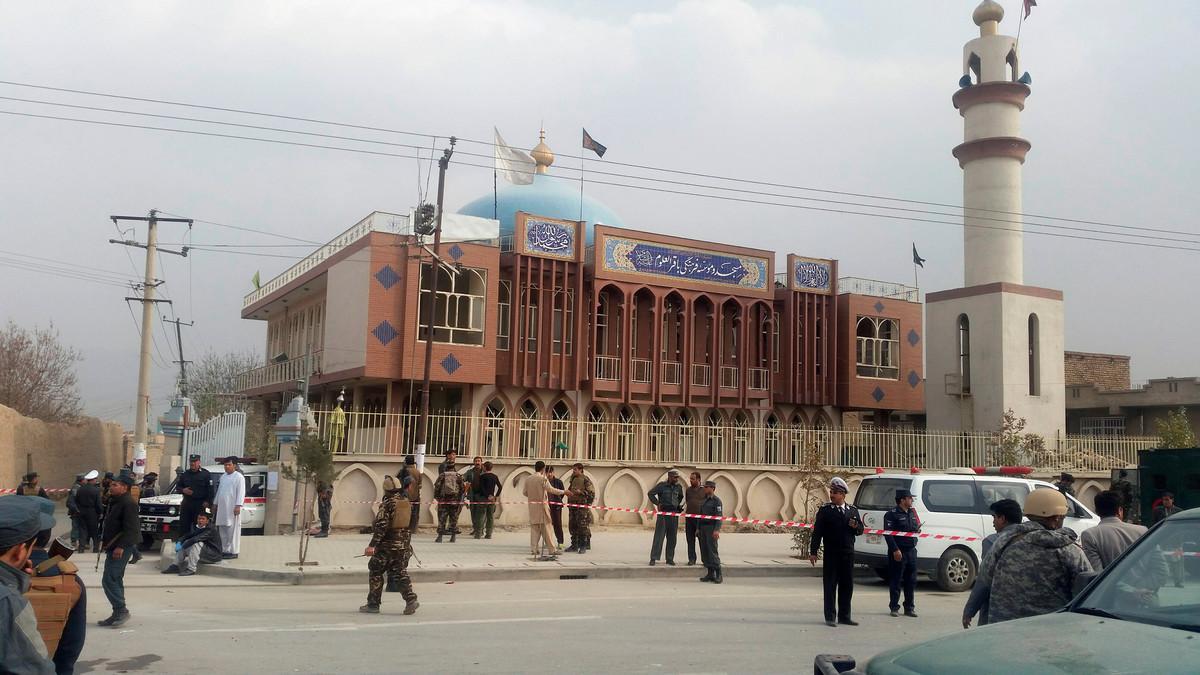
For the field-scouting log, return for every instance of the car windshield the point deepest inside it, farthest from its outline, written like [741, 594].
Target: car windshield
[879, 494]
[1158, 582]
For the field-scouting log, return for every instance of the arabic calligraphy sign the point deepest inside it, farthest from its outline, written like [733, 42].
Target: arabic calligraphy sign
[630, 256]
[810, 274]
[548, 238]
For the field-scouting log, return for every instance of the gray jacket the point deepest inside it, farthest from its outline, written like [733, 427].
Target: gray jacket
[667, 497]
[21, 647]
[1031, 571]
[1104, 542]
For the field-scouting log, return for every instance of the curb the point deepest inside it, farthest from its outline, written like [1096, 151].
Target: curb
[550, 571]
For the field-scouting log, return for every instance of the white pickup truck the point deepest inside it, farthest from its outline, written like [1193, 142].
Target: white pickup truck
[159, 515]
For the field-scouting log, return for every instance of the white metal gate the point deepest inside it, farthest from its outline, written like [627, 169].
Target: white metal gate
[220, 436]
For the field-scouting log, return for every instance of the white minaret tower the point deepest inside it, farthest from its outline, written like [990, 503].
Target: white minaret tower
[995, 344]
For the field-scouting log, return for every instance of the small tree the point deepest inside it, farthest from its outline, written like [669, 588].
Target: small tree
[313, 462]
[1176, 431]
[37, 374]
[1012, 445]
[814, 479]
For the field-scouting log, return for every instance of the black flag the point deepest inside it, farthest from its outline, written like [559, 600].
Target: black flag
[590, 143]
[917, 259]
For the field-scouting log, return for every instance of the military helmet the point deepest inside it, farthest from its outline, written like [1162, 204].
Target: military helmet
[390, 483]
[1046, 503]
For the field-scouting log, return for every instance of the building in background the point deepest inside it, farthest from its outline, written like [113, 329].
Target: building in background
[1102, 402]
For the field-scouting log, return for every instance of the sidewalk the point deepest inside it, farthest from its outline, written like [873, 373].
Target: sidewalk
[617, 553]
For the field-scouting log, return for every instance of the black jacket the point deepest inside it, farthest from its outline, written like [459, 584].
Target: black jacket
[121, 523]
[833, 526]
[200, 482]
[209, 539]
[898, 520]
[87, 500]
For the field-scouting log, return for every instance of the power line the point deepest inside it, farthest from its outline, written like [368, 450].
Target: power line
[639, 187]
[244, 229]
[693, 174]
[63, 273]
[421, 194]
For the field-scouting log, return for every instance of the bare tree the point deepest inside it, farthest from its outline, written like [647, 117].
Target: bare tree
[37, 373]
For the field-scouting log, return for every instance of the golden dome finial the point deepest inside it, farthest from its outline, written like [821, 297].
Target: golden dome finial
[541, 153]
[988, 12]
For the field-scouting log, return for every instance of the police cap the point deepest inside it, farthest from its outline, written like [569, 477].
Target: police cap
[710, 483]
[21, 518]
[902, 493]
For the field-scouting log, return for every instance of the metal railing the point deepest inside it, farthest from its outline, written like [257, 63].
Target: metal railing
[378, 221]
[879, 289]
[607, 367]
[729, 377]
[276, 373]
[672, 372]
[760, 379]
[532, 438]
[640, 370]
[701, 375]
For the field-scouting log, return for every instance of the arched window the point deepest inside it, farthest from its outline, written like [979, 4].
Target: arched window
[560, 429]
[658, 433]
[625, 427]
[493, 429]
[797, 438]
[741, 438]
[771, 438]
[504, 315]
[687, 436]
[597, 433]
[528, 437]
[964, 354]
[877, 347]
[715, 432]
[1035, 365]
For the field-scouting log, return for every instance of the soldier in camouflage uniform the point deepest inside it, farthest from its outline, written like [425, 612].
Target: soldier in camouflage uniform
[1032, 566]
[579, 518]
[390, 548]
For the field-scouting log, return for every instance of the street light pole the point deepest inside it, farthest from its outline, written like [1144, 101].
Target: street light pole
[431, 282]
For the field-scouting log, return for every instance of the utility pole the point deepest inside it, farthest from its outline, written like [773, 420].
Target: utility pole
[148, 301]
[183, 382]
[432, 284]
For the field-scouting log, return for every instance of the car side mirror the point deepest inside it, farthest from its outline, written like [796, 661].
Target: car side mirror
[1081, 582]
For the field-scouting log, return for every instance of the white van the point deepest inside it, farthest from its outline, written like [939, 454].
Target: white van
[160, 515]
[953, 503]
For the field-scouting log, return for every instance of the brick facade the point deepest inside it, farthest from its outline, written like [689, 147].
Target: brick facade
[1107, 372]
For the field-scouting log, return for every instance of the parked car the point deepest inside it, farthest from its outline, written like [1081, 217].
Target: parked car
[953, 503]
[1140, 615]
[159, 515]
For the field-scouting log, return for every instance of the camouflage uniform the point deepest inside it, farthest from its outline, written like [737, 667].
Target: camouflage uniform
[393, 547]
[1031, 570]
[448, 488]
[580, 519]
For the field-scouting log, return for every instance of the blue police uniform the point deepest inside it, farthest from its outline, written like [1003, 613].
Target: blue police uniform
[902, 573]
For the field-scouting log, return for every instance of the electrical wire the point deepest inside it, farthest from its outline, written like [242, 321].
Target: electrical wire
[245, 229]
[643, 187]
[63, 273]
[694, 174]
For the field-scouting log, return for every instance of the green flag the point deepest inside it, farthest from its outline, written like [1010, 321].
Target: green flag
[256, 282]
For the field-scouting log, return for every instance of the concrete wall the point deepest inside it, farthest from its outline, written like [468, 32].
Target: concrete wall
[346, 317]
[747, 491]
[56, 451]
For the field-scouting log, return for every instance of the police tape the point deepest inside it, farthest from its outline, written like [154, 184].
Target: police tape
[697, 516]
[13, 491]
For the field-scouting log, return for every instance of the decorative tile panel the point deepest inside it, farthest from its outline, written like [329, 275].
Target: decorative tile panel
[913, 337]
[549, 239]
[877, 394]
[385, 332]
[913, 379]
[879, 306]
[387, 277]
[646, 259]
[812, 275]
[450, 364]
[456, 252]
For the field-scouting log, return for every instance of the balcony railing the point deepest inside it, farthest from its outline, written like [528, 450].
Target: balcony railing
[277, 373]
[660, 443]
[672, 372]
[701, 375]
[608, 368]
[640, 370]
[729, 377]
[879, 289]
[378, 221]
[760, 379]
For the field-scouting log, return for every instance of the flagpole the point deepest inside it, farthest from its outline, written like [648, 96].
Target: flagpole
[1020, 24]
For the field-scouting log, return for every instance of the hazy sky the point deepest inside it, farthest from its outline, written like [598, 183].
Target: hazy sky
[849, 96]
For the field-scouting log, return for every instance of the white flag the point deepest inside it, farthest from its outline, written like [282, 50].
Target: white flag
[515, 165]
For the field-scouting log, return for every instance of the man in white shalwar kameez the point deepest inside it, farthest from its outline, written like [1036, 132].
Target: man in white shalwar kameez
[231, 493]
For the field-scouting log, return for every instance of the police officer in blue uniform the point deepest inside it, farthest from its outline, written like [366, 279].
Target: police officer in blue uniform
[837, 524]
[902, 553]
[710, 532]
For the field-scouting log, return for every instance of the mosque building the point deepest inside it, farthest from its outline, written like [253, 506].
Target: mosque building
[559, 324]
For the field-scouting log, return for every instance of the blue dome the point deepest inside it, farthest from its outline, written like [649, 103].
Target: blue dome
[547, 196]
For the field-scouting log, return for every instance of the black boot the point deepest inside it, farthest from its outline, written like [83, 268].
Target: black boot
[587, 544]
[573, 547]
[719, 578]
[712, 575]
[439, 538]
[453, 537]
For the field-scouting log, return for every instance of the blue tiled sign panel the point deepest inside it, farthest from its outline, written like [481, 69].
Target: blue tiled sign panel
[549, 239]
[812, 275]
[450, 364]
[630, 256]
[387, 277]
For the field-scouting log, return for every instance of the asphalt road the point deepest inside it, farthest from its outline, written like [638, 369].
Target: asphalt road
[575, 626]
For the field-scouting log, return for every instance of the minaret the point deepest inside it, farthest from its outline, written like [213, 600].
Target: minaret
[992, 152]
[996, 344]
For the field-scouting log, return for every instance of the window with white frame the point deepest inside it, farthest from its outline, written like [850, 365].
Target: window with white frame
[503, 315]
[459, 310]
[531, 319]
[775, 342]
[1102, 426]
[877, 347]
[563, 324]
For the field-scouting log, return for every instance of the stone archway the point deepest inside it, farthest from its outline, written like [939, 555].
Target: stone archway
[624, 490]
[767, 498]
[728, 485]
[359, 480]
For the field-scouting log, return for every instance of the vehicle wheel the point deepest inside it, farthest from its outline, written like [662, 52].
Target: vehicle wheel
[882, 573]
[956, 571]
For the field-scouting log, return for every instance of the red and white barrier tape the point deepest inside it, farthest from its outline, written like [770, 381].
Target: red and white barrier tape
[13, 491]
